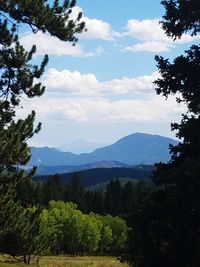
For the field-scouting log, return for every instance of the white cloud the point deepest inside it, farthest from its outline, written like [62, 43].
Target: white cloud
[72, 96]
[50, 45]
[146, 30]
[151, 36]
[151, 46]
[135, 110]
[70, 111]
[96, 28]
[138, 85]
[74, 83]
[67, 83]
[102, 110]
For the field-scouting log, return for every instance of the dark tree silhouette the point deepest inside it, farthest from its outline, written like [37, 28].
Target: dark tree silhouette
[170, 235]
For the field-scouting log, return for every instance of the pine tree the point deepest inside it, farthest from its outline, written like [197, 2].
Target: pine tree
[113, 197]
[170, 236]
[179, 178]
[17, 80]
[74, 191]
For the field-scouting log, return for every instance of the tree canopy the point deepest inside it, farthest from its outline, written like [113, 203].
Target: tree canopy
[181, 16]
[19, 77]
[170, 215]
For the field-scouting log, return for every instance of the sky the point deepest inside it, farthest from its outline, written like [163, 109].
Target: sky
[102, 89]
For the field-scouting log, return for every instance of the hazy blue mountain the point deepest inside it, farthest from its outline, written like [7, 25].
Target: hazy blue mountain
[134, 149]
[50, 156]
[80, 146]
[138, 148]
[47, 170]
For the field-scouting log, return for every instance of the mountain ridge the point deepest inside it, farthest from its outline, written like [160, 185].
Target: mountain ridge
[48, 170]
[134, 149]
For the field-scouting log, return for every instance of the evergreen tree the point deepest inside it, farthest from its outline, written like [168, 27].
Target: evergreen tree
[24, 240]
[113, 197]
[74, 192]
[97, 202]
[180, 178]
[17, 80]
[52, 189]
[172, 229]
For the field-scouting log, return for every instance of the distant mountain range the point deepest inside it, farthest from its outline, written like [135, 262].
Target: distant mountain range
[134, 149]
[47, 170]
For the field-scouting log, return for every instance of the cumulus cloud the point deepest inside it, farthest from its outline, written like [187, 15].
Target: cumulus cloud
[91, 110]
[145, 30]
[139, 85]
[135, 110]
[74, 83]
[70, 111]
[96, 28]
[50, 45]
[72, 96]
[71, 83]
[151, 36]
[151, 46]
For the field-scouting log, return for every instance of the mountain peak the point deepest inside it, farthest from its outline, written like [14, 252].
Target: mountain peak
[134, 149]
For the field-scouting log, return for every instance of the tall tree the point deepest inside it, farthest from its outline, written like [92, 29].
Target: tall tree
[18, 78]
[113, 197]
[52, 189]
[180, 178]
[172, 230]
[74, 192]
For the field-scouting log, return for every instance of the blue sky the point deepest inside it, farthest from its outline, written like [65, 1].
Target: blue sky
[101, 89]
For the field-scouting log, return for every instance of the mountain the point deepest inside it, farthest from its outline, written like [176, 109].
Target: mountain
[95, 176]
[47, 170]
[50, 157]
[80, 146]
[134, 149]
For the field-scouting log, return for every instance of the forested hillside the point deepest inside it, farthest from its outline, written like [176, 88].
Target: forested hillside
[100, 175]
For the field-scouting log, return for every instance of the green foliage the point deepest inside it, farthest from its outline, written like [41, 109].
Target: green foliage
[119, 232]
[24, 239]
[39, 15]
[91, 234]
[30, 193]
[106, 239]
[19, 78]
[68, 230]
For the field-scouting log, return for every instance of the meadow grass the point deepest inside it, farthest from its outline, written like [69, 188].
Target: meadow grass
[69, 261]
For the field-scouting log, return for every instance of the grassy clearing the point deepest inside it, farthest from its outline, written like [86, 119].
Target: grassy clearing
[68, 261]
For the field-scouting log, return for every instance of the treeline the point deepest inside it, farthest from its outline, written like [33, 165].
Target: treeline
[62, 228]
[95, 176]
[116, 200]
[52, 218]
